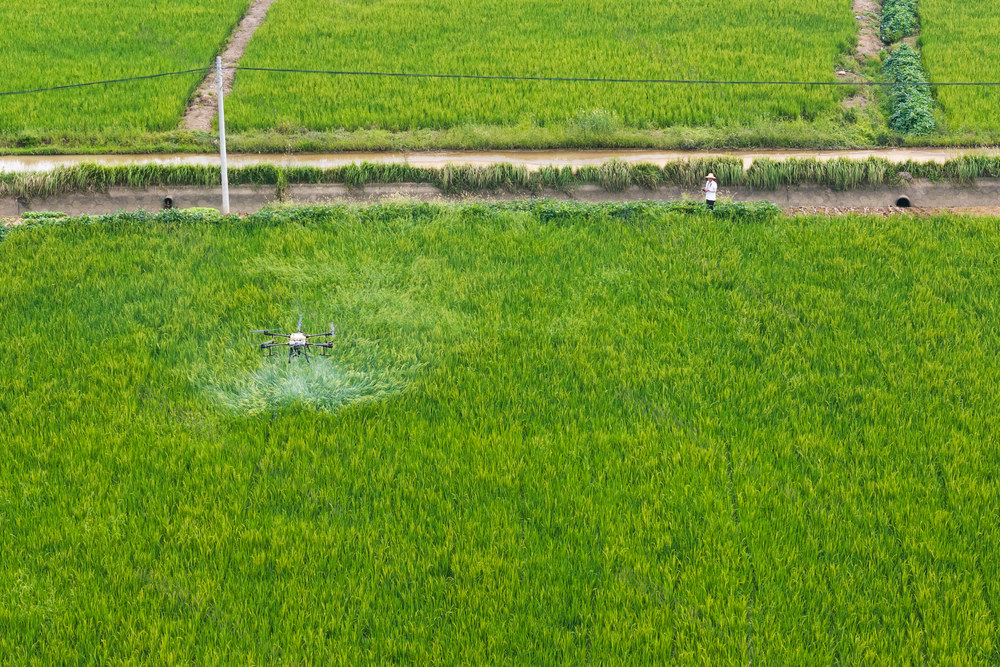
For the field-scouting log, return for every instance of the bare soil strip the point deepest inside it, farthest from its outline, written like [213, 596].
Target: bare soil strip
[869, 16]
[204, 105]
[869, 42]
[532, 160]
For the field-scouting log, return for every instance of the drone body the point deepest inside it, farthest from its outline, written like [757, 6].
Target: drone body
[298, 343]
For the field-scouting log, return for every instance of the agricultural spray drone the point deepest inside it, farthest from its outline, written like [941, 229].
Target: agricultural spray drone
[298, 343]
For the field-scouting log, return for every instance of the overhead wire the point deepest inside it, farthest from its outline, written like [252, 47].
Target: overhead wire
[496, 77]
[101, 83]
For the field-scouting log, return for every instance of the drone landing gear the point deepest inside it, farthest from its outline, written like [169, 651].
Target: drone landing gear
[298, 353]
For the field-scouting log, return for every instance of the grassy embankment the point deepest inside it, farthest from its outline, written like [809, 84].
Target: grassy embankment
[841, 174]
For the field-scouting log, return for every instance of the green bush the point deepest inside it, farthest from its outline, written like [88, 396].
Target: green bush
[202, 212]
[899, 19]
[42, 215]
[911, 106]
[548, 210]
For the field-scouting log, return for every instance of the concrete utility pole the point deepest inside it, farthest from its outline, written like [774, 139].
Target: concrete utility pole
[222, 141]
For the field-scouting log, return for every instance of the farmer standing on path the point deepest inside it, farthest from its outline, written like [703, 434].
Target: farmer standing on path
[710, 190]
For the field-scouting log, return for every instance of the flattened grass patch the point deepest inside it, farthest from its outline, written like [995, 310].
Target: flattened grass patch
[321, 385]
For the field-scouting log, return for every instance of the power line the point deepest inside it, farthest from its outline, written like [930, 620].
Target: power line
[602, 80]
[102, 83]
[487, 77]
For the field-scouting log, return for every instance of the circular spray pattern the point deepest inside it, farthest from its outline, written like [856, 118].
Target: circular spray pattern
[322, 385]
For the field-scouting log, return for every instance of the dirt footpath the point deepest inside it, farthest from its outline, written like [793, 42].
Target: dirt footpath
[868, 15]
[204, 106]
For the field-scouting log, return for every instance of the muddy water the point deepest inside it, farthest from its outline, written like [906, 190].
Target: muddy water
[533, 160]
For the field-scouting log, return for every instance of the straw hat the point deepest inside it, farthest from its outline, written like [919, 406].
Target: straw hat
[710, 177]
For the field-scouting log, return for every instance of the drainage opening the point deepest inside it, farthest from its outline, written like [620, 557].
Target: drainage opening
[903, 202]
[168, 202]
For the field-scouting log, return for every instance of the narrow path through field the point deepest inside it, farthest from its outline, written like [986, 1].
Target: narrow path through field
[204, 105]
[532, 160]
[868, 14]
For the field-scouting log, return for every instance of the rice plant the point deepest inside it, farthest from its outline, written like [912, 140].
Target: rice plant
[588, 38]
[551, 433]
[960, 41]
[53, 43]
[722, 40]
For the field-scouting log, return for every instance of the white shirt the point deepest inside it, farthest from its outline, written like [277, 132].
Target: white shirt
[711, 187]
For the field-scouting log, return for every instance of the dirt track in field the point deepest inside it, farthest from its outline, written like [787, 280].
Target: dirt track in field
[204, 105]
[869, 41]
[869, 17]
[532, 160]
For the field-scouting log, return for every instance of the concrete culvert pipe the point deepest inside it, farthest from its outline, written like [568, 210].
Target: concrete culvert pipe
[903, 202]
[168, 202]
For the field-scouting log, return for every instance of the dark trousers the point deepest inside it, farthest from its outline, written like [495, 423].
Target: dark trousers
[711, 204]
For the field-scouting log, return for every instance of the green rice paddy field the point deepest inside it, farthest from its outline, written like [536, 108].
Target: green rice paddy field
[62, 43]
[53, 43]
[960, 41]
[548, 434]
[667, 39]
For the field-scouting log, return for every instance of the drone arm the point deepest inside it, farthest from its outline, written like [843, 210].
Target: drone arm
[268, 332]
[331, 334]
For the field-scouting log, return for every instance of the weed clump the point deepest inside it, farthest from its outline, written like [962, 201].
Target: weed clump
[899, 19]
[911, 107]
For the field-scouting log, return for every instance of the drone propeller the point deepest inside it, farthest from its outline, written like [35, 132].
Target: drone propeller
[261, 331]
[299, 330]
